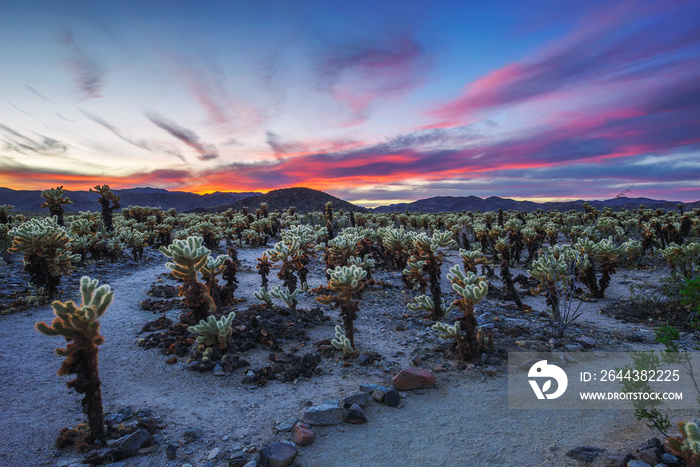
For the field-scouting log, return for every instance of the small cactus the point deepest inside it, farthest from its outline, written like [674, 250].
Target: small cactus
[287, 296]
[214, 332]
[341, 342]
[263, 295]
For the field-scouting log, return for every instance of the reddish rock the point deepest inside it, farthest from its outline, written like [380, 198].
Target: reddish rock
[414, 378]
[303, 434]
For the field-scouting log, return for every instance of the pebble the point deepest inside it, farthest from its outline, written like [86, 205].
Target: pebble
[413, 378]
[392, 398]
[637, 463]
[670, 459]
[303, 434]
[379, 393]
[214, 454]
[584, 453]
[362, 399]
[651, 456]
[218, 371]
[279, 454]
[237, 459]
[368, 388]
[328, 413]
[586, 342]
[129, 445]
[490, 370]
[355, 415]
[193, 433]
[171, 451]
[287, 425]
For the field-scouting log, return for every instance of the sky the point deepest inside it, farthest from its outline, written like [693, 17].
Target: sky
[375, 102]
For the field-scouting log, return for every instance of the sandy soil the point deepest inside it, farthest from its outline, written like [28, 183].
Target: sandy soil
[465, 421]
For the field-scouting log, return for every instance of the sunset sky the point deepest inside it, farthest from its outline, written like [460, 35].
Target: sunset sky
[372, 101]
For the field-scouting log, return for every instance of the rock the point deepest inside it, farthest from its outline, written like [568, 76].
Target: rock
[355, 415]
[392, 398]
[670, 459]
[368, 388]
[651, 456]
[214, 454]
[637, 463]
[126, 412]
[490, 370]
[148, 450]
[129, 445]
[193, 433]
[303, 434]
[328, 413]
[218, 371]
[417, 360]
[171, 451]
[413, 378]
[379, 393]
[237, 459]
[441, 368]
[193, 366]
[586, 342]
[279, 454]
[287, 425]
[650, 443]
[574, 347]
[362, 399]
[364, 360]
[584, 453]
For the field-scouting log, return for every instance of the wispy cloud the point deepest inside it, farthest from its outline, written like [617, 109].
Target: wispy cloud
[17, 142]
[189, 137]
[140, 143]
[357, 73]
[87, 72]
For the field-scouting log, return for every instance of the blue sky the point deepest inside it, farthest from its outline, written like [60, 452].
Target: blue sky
[374, 102]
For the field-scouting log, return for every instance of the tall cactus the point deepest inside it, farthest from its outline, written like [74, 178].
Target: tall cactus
[345, 281]
[471, 290]
[189, 256]
[109, 202]
[55, 201]
[81, 329]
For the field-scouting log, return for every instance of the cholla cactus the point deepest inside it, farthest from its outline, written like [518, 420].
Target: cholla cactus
[135, 240]
[109, 202]
[214, 332]
[80, 327]
[287, 296]
[427, 251]
[424, 302]
[45, 246]
[473, 258]
[471, 290]
[683, 259]
[688, 447]
[213, 268]
[55, 201]
[556, 271]
[341, 342]
[189, 256]
[345, 281]
[365, 262]
[398, 243]
[263, 295]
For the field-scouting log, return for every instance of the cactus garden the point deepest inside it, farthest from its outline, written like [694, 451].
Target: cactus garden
[226, 321]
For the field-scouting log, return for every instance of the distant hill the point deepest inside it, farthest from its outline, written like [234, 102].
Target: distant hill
[25, 200]
[493, 203]
[304, 199]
